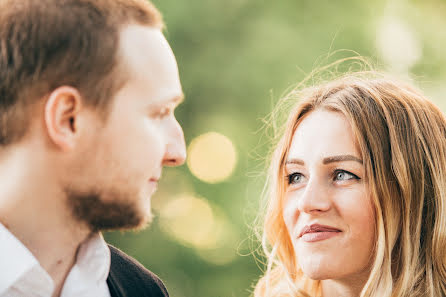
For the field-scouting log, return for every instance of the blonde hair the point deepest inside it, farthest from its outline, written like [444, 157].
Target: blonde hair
[402, 138]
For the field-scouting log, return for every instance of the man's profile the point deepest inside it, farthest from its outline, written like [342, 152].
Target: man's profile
[87, 94]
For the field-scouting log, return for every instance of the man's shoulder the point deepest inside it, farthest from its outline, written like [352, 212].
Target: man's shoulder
[130, 278]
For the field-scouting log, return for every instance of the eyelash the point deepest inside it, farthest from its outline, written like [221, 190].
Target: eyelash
[290, 176]
[337, 171]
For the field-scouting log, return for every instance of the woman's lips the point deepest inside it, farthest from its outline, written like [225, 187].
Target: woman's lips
[318, 232]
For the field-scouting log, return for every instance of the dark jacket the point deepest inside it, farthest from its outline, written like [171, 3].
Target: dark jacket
[128, 278]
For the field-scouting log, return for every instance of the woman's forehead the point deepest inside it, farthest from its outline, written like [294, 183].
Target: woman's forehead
[323, 134]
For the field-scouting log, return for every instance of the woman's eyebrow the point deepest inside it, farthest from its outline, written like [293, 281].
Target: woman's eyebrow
[295, 161]
[341, 158]
[327, 160]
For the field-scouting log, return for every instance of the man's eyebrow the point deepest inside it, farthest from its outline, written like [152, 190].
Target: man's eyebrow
[327, 160]
[341, 158]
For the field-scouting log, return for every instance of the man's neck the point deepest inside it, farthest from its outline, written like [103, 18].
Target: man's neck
[52, 243]
[34, 211]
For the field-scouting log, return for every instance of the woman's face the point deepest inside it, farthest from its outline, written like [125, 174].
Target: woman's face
[327, 209]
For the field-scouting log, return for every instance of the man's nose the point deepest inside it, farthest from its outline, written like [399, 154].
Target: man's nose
[175, 154]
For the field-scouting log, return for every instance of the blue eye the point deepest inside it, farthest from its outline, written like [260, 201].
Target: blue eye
[294, 178]
[342, 175]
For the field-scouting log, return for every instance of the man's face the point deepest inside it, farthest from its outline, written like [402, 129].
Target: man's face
[123, 158]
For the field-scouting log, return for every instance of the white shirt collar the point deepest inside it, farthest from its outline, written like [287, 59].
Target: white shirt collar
[91, 269]
[20, 270]
[15, 259]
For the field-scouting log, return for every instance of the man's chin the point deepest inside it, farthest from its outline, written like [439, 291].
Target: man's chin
[143, 223]
[133, 221]
[100, 215]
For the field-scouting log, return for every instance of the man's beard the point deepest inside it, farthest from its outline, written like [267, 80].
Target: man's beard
[113, 213]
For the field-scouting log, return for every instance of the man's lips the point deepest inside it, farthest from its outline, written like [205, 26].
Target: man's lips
[317, 232]
[155, 178]
[153, 184]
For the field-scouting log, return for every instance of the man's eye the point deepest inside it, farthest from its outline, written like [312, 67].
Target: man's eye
[342, 175]
[294, 178]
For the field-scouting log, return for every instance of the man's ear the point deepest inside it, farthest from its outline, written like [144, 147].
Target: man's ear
[61, 111]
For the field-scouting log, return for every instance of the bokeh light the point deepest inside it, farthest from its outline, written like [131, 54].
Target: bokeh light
[212, 157]
[227, 243]
[166, 191]
[193, 222]
[189, 220]
[397, 44]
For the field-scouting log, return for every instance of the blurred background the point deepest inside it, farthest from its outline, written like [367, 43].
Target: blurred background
[236, 59]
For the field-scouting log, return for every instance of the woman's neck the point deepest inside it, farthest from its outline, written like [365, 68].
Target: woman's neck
[350, 287]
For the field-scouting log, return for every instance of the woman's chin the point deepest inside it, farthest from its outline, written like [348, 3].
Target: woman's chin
[317, 275]
[319, 272]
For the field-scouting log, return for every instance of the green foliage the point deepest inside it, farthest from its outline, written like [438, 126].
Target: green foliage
[236, 59]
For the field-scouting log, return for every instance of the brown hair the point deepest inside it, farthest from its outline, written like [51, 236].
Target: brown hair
[46, 44]
[402, 139]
